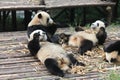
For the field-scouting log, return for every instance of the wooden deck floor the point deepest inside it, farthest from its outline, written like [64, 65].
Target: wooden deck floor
[16, 63]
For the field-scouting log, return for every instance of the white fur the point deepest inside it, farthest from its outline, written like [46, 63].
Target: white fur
[80, 36]
[42, 21]
[42, 36]
[56, 52]
[111, 55]
[96, 26]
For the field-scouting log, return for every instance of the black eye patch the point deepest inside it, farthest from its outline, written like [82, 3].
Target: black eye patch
[40, 16]
[47, 20]
[97, 24]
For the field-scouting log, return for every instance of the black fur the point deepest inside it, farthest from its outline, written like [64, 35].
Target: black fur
[74, 61]
[33, 45]
[39, 16]
[63, 38]
[55, 39]
[101, 36]
[112, 60]
[60, 38]
[30, 29]
[115, 46]
[50, 29]
[52, 66]
[85, 46]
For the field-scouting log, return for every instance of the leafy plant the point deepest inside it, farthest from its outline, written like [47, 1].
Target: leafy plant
[112, 75]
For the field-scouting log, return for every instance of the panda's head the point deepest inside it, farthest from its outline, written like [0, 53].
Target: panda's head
[97, 25]
[41, 18]
[63, 38]
[42, 35]
[99, 28]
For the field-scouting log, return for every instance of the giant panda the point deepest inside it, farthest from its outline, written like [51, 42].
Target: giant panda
[43, 21]
[61, 38]
[112, 50]
[53, 56]
[85, 40]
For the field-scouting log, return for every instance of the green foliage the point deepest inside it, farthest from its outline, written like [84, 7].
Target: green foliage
[112, 75]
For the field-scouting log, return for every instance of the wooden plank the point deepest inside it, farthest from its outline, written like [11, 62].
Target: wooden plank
[17, 60]
[22, 7]
[24, 64]
[23, 75]
[47, 77]
[50, 4]
[23, 69]
[14, 55]
[15, 46]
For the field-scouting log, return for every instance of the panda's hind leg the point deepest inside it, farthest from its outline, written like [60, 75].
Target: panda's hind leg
[74, 61]
[85, 46]
[53, 68]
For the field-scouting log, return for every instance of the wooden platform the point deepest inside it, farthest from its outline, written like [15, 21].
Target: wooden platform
[9, 8]
[49, 4]
[16, 62]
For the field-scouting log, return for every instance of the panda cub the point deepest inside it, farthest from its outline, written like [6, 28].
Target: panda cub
[43, 21]
[85, 40]
[112, 50]
[61, 38]
[53, 56]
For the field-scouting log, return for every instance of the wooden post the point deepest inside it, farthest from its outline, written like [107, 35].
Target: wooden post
[4, 21]
[115, 9]
[0, 20]
[72, 15]
[0, 16]
[84, 17]
[27, 18]
[14, 21]
[109, 17]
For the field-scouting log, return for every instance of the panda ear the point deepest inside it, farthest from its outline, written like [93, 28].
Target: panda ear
[40, 16]
[106, 24]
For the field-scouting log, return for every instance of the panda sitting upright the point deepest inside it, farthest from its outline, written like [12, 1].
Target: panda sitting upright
[43, 21]
[85, 40]
[53, 56]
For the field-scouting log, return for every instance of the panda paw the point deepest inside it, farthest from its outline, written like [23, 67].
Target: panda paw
[80, 64]
[60, 73]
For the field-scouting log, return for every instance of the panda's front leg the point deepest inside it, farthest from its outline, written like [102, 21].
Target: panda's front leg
[53, 68]
[85, 46]
[74, 61]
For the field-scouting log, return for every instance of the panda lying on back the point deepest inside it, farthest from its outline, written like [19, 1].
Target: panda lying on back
[112, 50]
[53, 56]
[85, 40]
[43, 21]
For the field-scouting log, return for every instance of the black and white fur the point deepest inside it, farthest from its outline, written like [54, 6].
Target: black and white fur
[53, 56]
[61, 38]
[112, 50]
[43, 21]
[85, 40]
